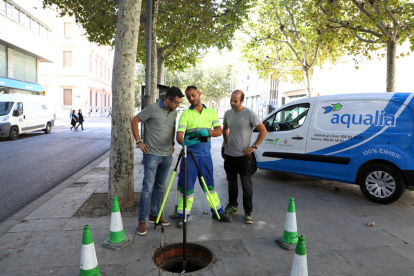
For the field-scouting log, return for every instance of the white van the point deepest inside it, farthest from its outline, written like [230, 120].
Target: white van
[24, 113]
[367, 139]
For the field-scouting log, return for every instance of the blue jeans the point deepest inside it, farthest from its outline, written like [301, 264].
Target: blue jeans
[155, 173]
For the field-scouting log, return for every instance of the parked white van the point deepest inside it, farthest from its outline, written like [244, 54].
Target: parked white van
[366, 139]
[24, 113]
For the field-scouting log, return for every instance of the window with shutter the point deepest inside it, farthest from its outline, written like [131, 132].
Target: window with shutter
[67, 96]
[67, 59]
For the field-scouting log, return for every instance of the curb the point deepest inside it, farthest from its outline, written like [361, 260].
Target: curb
[6, 225]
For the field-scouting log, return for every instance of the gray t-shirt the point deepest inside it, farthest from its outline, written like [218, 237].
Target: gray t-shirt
[241, 126]
[159, 125]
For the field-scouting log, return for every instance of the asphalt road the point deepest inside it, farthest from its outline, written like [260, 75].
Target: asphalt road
[37, 162]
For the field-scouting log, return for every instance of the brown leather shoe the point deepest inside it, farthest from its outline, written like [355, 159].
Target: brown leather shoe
[162, 221]
[142, 228]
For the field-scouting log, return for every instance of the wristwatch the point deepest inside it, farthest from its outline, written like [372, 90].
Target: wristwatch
[139, 141]
[254, 146]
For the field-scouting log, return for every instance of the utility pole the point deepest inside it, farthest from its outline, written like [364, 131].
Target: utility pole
[147, 93]
[148, 54]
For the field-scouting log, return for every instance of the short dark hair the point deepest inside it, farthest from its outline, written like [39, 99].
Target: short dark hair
[173, 91]
[190, 87]
[241, 94]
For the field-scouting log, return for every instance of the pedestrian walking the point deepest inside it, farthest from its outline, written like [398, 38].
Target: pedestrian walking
[238, 124]
[158, 148]
[73, 120]
[198, 121]
[109, 113]
[81, 120]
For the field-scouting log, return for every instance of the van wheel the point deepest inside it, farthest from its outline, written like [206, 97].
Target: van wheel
[48, 128]
[14, 133]
[382, 183]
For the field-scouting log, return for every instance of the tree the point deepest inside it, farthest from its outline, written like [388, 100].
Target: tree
[121, 158]
[374, 24]
[214, 83]
[217, 84]
[288, 38]
[184, 29]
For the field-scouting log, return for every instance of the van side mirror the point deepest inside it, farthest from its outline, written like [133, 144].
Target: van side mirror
[16, 113]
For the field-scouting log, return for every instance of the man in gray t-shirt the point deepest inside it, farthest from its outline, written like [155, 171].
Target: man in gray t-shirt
[157, 148]
[238, 152]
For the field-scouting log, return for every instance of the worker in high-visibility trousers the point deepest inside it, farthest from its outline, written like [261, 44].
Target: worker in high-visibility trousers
[198, 121]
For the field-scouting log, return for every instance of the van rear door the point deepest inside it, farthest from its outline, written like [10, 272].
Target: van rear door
[285, 143]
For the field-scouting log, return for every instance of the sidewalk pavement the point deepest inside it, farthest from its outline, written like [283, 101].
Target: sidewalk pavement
[44, 238]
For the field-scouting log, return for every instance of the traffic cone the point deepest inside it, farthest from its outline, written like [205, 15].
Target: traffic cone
[300, 263]
[88, 262]
[290, 233]
[116, 234]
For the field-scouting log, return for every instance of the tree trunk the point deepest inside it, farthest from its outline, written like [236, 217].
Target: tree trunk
[154, 62]
[160, 67]
[306, 73]
[391, 65]
[121, 159]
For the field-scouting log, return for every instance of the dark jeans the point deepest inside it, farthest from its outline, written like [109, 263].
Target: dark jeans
[80, 124]
[234, 166]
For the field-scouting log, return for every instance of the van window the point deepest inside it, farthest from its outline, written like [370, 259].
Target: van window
[19, 106]
[289, 118]
[5, 108]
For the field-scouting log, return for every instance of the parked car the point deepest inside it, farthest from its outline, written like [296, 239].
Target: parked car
[365, 139]
[24, 113]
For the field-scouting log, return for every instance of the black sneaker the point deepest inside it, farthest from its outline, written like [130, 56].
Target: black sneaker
[248, 218]
[231, 210]
[223, 218]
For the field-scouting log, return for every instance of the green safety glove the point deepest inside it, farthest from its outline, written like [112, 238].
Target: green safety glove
[190, 142]
[203, 132]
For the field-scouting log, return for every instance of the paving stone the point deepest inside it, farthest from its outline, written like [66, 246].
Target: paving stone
[322, 263]
[256, 265]
[39, 225]
[374, 259]
[407, 251]
[13, 240]
[57, 257]
[95, 223]
[15, 260]
[53, 239]
[226, 248]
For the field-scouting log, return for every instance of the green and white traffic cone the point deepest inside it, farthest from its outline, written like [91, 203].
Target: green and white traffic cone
[116, 234]
[300, 262]
[290, 233]
[88, 262]
[117, 239]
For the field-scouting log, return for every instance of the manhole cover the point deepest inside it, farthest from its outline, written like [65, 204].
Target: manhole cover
[170, 257]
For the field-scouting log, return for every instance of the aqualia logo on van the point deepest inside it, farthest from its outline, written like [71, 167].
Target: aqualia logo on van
[379, 119]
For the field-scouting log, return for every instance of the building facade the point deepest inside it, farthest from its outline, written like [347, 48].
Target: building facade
[25, 43]
[58, 62]
[81, 76]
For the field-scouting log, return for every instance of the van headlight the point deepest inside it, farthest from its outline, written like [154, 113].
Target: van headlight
[5, 119]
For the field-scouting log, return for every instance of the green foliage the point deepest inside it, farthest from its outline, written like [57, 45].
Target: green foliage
[371, 24]
[214, 83]
[185, 29]
[287, 38]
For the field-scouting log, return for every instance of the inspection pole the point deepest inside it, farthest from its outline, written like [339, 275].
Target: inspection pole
[184, 213]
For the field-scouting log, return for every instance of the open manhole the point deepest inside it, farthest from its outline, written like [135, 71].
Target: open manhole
[170, 257]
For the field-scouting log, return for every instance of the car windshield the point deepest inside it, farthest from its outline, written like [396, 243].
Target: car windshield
[5, 108]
